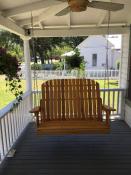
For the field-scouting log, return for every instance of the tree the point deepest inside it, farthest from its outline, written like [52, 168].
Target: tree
[43, 47]
[40, 47]
[74, 41]
[75, 60]
[12, 43]
[58, 51]
[10, 67]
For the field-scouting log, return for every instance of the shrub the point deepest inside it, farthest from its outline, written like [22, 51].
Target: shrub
[10, 66]
[58, 66]
[36, 66]
[74, 61]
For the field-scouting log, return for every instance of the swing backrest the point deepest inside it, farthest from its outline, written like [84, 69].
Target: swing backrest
[71, 99]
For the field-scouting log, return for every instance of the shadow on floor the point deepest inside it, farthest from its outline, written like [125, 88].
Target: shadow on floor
[108, 154]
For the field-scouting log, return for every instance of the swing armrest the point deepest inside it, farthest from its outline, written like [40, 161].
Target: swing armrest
[35, 110]
[108, 110]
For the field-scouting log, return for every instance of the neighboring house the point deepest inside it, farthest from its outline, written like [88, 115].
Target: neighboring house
[94, 50]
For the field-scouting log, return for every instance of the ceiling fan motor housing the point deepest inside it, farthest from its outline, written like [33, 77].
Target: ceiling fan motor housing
[78, 5]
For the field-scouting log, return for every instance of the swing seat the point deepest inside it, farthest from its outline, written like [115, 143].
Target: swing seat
[71, 106]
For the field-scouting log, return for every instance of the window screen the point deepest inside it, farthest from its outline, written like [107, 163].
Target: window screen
[94, 60]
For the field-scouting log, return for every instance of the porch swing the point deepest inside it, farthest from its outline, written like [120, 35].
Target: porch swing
[72, 106]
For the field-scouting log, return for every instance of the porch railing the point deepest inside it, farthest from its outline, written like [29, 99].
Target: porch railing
[56, 74]
[113, 97]
[12, 124]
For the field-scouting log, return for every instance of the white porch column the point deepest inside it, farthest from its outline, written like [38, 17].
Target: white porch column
[124, 73]
[28, 76]
[124, 60]
[27, 64]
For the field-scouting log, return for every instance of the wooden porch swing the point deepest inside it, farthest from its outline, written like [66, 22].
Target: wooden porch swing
[71, 106]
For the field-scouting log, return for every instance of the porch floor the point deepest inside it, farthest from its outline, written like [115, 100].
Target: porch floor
[73, 154]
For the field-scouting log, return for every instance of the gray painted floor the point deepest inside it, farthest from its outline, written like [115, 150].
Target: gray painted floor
[73, 154]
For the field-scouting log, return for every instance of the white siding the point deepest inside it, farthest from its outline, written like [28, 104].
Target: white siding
[88, 52]
[98, 45]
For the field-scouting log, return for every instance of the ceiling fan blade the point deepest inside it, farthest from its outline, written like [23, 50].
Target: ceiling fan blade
[63, 12]
[62, 0]
[106, 5]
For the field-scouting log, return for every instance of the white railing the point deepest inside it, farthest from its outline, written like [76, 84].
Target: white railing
[12, 124]
[58, 74]
[112, 97]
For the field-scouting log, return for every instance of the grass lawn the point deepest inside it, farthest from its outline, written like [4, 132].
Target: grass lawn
[6, 97]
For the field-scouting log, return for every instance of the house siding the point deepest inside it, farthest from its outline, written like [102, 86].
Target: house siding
[98, 45]
[88, 52]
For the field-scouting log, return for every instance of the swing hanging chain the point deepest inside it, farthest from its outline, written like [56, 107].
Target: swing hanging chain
[33, 49]
[35, 84]
[107, 59]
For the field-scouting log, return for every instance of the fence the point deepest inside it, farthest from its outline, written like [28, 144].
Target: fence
[58, 74]
[101, 74]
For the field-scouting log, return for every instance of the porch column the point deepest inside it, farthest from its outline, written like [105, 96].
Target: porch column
[124, 60]
[124, 71]
[27, 64]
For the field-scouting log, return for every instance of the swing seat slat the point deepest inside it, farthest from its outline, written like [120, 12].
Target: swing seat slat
[71, 106]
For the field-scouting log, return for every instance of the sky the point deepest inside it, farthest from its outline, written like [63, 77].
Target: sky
[115, 40]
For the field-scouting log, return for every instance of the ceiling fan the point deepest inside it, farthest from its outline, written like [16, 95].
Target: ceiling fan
[81, 5]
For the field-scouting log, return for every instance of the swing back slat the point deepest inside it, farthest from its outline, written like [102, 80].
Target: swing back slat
[70, 99]
[70, 106]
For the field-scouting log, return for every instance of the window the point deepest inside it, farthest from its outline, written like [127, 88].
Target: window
[94, 59]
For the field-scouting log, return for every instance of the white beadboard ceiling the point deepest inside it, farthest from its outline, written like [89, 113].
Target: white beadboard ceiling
[18, 13]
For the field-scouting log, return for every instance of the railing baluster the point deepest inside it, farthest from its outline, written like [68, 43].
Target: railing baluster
[16, 122]
[20, 117]
[113, 101]
[12, 129]
[118, 106]
[104, 97]
[22, 122]
[12, 123]
[5, 135]
[8, 130]
[2, 150]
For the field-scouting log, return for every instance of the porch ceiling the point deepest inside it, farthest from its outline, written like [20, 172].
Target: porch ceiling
[16, 17]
